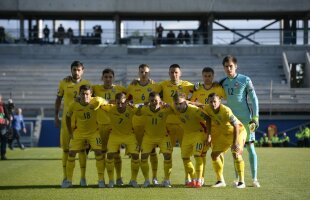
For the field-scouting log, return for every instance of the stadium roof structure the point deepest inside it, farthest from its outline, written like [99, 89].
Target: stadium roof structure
[155, 10]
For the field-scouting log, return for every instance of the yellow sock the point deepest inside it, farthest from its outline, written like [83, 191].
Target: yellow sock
[82, 160]
[198, 167]
[239, 166]
[70, 167]
[145, 168]
[167, 168]
[103, 161]
[99, 165]
[204, 161]
[64, 163]
[110, 168]
[135, 164]
[218, 169]
[154, 164]
[189, 168]
[118, 165]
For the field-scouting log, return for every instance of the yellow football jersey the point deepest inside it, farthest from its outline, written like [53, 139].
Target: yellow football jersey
[223, 120]
[108, 94]
[85, 119]
[155, 122]
[192, 120]
[168, 90]
[139, 93]
[201, 94]
[69, 91]
[121, 123]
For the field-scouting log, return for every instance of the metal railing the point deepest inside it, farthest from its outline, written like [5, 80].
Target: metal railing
[138, 37]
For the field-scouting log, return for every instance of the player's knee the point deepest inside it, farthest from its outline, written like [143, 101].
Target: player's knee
[135, 156]
[110, 156]
[72, 153]
[98, 152]
[144, 156]
[167, 156]
[186, 159]
[215, 156]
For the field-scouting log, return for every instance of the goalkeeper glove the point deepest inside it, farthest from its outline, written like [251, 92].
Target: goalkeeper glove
[254, 124]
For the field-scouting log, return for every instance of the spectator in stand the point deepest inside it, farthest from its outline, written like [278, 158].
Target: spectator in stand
[159, 32]
[70, 34]
[61, 34]
[18, 127]
[275, 140]
[171, 37]
[46, 32]
[187, 37]
[285, 140]
[264, 141]
[180, 37]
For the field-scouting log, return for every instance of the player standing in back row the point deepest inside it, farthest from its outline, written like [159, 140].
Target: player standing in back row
[238, 88]
[69, 90]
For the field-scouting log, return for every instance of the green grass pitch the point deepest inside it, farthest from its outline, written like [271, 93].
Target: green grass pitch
[36, 173]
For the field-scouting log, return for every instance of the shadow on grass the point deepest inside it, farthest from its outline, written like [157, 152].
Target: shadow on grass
[23, 159]
[17, 187]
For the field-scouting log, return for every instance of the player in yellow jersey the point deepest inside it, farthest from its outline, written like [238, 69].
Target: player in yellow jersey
[107, 90]
[122, 133]
[229, 133]
[168, 88]
[199, 97]
[154, 117]
[85, 129]
[69, 90]
[194, 138]
[138, 93]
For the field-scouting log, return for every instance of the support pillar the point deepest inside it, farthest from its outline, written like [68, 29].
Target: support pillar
[306, 33]
[210, 29]
[117, 29]
[21, 29]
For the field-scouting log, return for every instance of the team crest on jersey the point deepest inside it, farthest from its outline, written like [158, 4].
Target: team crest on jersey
[160, 115]
[127, 115]
[180, 87]
[149, 89]
[183, 120]
[237, 85]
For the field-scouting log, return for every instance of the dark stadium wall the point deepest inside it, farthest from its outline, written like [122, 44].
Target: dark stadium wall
[50, 135]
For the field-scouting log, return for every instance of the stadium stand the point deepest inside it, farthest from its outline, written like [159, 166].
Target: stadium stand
[33, 82]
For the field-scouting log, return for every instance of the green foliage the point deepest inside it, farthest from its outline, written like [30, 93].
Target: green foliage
[36, 173]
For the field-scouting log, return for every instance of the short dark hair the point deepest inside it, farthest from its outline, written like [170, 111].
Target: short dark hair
[86, 87]
[108, 70]
[120, 95]
[178, 95]
[143, 65]
[153, 94]
[213, 95]
[173, 66]
[77, 63]
[229, 58]
[208, 69]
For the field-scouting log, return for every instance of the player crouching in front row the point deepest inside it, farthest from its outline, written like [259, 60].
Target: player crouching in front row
[86, 129]
[228, 133]
[194, 137]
